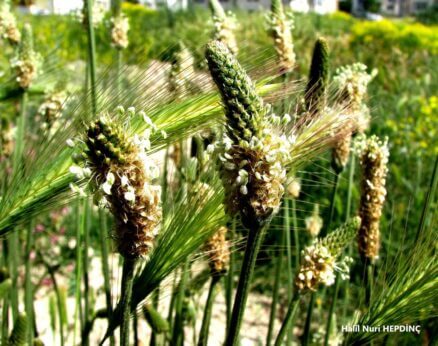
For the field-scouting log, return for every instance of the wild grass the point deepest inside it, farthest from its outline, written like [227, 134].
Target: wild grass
[250, 108]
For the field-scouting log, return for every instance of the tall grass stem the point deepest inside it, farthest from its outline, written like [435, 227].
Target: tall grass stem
[255, 238]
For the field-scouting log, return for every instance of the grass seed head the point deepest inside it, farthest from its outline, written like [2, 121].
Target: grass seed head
[320, 259]
[51, 110]
[252, 154]
[224, 26]
[352, 82]
[181, 71]
[280, 29]
[8, 25]
[293, 187]
[314, 222]
[374, 162]
[341, 152]
[27, 62]
[119, 32]
[316, 88]
[218, 252]
[123, 175]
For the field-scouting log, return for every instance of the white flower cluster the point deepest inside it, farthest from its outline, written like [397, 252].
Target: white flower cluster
[318, 267]
[119, 32]
[224, 28]
[280, 27]
[98, 14]
[8, 24]
[352, 81]
[355, 79]
[149, 169]
[27, 67]
[314, 222]
[256, 169]
[51, 110]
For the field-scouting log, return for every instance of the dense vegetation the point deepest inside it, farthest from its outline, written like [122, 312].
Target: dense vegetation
[57, 233]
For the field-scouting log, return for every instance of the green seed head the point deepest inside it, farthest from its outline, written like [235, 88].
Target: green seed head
[280, 29]
[244, 109]
[318, 76]
[337, 240]
[8, 24]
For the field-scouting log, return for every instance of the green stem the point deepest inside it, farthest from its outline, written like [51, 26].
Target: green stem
[135, 327]
[5, 321]
[172, 300]
[85, 258]
[331, 311]
[290, 315]
[13, 241]
[155, 301]
[28, 294]
[253, 244]
[78, 271]
[13, 245]
[230, 277]
[275, 290]
[306, 334]
[332, 204]
[103, 239]
[91, 53]
[125, 300]
[368, 282]
[289, 288]
[296, 235]
[350, 185]
[178, 326]
[203, 335]
[347, 216]
[58, 304]
[428, 200]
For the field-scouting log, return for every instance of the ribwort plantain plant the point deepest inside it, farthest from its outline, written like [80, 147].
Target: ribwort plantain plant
[318, 267]
[254, 156]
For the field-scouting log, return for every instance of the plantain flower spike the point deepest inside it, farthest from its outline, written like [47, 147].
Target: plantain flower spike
[119, 32]
[374, 162]
[181, 70]
[341, 152]
[293, 187]
[8, 24]
[352, 82]
[51, 110]
[316, 88]
[224, 26]
[252, 154]
[27, 62]
[123, 175]
[314, 222]
[319, 260]
[218, 251]
[280, 28]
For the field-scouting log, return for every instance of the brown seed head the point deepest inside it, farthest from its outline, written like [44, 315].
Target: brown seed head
[121, 169]
[374, 161]
[218, 251]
